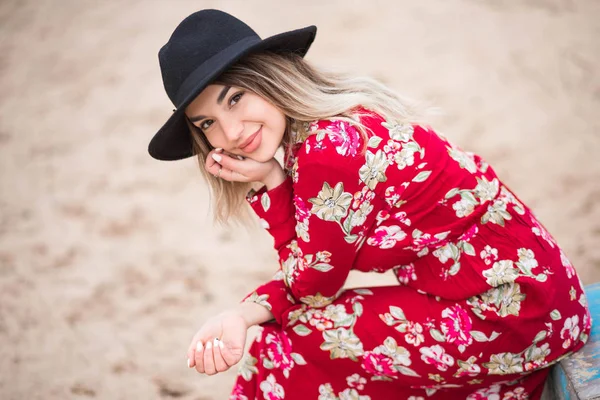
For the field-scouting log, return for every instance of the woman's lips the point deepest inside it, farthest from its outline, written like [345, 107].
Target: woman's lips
[253, 142]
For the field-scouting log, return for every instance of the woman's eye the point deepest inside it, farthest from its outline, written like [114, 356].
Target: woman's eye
[203, 125]
[234, 99]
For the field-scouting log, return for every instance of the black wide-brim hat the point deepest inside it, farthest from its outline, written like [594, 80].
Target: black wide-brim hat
[200, 49]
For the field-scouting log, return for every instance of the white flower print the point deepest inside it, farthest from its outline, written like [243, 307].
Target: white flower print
[489, 254]
[486, 190]
[259, 299]
[570, 331]
[404, 158]
[464, 207]
[467, 368]
[326, 392]
[356, 381]
[537, 357]
[271, 389]
[501, 272]
[342, 343]
[399, 132]
[447, 252]
[352, 394]
[331, 204]
[436, 355]
[504, 364]
[248, 367]
[463, 159]
[496, 213]
[527, 261]
[373, 171]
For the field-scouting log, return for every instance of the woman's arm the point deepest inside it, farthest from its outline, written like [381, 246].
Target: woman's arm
[254, 313]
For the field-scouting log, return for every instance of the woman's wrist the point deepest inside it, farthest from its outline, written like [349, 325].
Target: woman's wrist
[275, 178]
[254, 313]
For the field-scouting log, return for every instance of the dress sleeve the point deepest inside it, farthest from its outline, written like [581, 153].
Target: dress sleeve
[318, 219]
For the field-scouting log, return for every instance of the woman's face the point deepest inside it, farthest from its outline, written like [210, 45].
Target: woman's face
[238, 121]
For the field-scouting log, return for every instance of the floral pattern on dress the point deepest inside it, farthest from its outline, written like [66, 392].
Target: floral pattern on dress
[471, 261]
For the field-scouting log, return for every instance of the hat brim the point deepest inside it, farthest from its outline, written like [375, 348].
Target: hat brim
[173, 140]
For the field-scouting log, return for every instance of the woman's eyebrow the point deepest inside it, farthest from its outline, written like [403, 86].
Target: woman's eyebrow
[219, 101]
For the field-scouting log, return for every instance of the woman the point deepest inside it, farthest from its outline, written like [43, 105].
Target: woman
[486, 301]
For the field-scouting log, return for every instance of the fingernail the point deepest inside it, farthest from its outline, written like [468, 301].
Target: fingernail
[218, 149]
[216, 157]
[240, 158]
[216, 342]
[221, 345]
[199, 346]
[189, 363]
[208, 345]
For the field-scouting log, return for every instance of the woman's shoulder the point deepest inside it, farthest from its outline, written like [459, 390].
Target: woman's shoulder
[357, 130]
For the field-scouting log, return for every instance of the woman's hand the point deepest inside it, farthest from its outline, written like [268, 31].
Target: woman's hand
[210, 356]
[219, 344]
[232, 169]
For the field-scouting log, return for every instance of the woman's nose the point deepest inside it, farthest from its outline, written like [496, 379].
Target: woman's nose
[233, 130]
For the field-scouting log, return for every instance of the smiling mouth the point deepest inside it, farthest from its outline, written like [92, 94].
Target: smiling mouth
[250, 139]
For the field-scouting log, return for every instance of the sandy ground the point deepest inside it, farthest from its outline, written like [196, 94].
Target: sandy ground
[108, 259]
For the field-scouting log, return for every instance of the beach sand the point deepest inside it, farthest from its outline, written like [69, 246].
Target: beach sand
[109, 261]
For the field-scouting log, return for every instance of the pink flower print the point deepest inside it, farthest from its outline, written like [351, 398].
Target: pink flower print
[414, 333]
[489, 393]
[386, 237]
[405, 273]
[345, 138]
[302, 211]
[378, 364]
[382, 216]
[365, 195]
[436, 355]
[401, 216]
[456, 325]
[516, 394]
[390, 149]
[570, 331]
[392, 196]
[567, 264]
[472, 231]
[238, 393]
[279, 351]
[539, 230]
[319, 321]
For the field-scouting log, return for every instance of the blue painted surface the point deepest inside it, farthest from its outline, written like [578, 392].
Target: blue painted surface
[578, 377]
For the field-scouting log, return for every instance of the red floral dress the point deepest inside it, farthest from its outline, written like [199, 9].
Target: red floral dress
[485, 302]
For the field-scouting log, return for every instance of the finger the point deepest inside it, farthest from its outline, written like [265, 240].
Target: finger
[230, 164]
[191, 358]
[199, 357]
[209, 361]
[210, 164]
[220, 364]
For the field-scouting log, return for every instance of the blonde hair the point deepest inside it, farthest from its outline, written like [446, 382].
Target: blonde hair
[304, 94]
